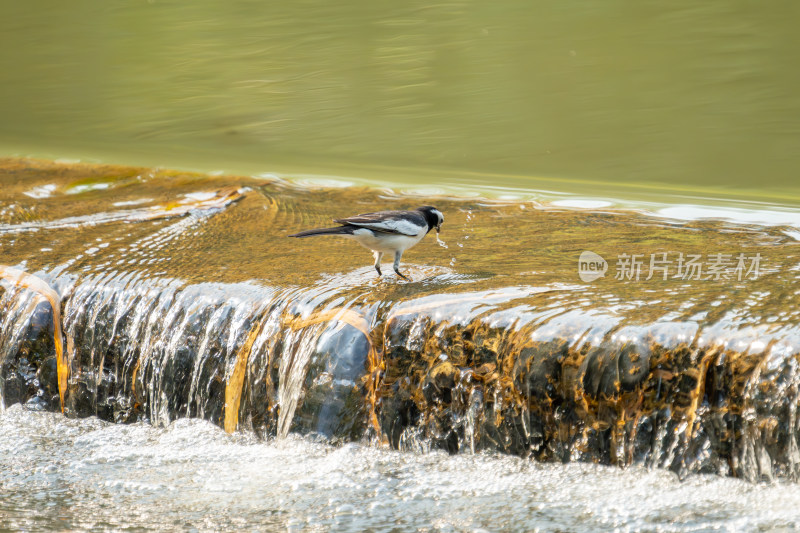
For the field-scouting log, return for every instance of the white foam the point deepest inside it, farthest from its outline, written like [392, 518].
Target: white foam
[43, 191]
[772, 217]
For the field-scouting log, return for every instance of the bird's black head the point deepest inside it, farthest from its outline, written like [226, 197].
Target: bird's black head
[433, 217]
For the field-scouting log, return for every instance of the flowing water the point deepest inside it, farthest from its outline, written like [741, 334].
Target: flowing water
[147, 297]
[605, 337]
[68, 474]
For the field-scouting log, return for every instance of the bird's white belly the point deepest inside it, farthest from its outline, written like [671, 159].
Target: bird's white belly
[385, 243]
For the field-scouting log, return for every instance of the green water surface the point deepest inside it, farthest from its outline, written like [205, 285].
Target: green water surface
[625, 99]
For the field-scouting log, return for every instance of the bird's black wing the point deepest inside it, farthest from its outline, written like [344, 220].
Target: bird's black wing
[398, 222]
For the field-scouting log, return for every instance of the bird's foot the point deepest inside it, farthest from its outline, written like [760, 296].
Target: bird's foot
[401, 275]
[379, 270]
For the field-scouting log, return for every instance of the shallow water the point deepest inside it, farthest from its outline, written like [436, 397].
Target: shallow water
[86, 474]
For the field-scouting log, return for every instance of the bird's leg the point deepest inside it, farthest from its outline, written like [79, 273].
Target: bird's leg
[397, 256]
[378, 256]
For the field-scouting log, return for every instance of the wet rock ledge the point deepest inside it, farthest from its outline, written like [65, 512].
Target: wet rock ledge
[200, 307]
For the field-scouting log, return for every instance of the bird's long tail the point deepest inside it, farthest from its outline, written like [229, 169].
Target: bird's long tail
[339, 230]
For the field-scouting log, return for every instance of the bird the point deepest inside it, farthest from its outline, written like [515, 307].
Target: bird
[385, 232]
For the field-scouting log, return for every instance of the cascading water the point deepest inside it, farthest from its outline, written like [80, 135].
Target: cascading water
[199, 307]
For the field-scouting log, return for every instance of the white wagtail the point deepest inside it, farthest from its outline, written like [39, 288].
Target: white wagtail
[385, 231]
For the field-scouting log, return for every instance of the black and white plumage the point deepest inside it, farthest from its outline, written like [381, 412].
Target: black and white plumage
[385, 232]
